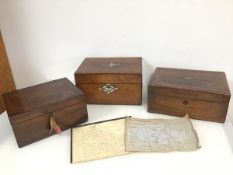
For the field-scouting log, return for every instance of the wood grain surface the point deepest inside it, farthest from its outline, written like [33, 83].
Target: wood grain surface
[122, 73]
[30, 109]
[6, 79]
[203, 95]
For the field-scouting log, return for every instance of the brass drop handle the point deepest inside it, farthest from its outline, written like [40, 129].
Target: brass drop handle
[108, 88]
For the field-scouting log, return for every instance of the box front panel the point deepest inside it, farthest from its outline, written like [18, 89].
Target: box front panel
[110, 78]
[38, 128]
[122, 94]
[196, 109]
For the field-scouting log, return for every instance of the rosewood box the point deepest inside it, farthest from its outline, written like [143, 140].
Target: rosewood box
[6, 79]
[203, 95]
[34, 111]
[111, 80]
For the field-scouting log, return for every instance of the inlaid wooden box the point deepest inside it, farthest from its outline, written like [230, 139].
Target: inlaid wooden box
[111, 80]
[31, 109]
[203, 95]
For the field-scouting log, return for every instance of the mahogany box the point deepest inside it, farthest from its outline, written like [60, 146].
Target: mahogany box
[31, 109]
[7, 83]
[111, 80]
[203, 95]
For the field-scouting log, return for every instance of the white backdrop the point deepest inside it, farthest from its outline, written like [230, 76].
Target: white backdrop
[48, 39]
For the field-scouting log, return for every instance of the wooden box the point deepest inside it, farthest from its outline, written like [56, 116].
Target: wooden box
[203, 95]
[6, 79]
[111, 80]
[31, 109]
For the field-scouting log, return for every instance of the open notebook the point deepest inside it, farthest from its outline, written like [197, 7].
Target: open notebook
[123, 135]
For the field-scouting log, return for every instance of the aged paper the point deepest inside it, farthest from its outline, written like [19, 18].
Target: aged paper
[160, 135]
[97, 141]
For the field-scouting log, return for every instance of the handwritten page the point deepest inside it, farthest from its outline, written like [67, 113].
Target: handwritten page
[160, 135]
[97, 141]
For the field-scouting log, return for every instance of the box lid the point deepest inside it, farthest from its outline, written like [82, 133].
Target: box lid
[191, 84]
[110, 70]
[42, 99]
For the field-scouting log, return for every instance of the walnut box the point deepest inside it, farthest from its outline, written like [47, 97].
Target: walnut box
[111, 80]
[30, 109]
[203, 95]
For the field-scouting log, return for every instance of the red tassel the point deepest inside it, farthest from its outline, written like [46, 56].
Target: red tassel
[54, 126]
[57, 129]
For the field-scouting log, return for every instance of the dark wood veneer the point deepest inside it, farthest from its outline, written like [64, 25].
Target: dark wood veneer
[6, 79]
[30, 109]
[203, 95]
[124, 73]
